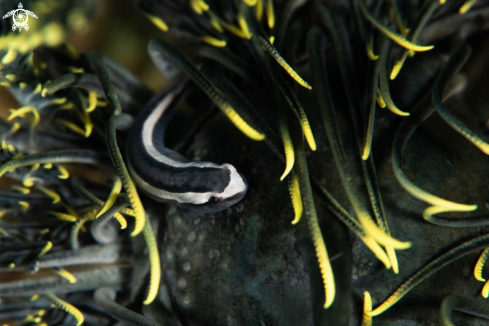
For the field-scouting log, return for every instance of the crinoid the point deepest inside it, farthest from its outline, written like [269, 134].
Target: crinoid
[286, 92]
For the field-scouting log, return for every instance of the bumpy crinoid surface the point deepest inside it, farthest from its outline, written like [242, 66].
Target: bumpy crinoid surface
[360, 127]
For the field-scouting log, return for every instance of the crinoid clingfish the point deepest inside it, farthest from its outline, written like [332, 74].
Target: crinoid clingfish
[360, 129]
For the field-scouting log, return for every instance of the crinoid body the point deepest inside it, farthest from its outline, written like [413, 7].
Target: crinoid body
[346, 204]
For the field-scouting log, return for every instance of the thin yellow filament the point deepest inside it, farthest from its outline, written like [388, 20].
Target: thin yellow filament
[65, 274]
[400, 24]
[466, 6]
[3, 212]
[380, 100]
[324, 263]
[38, 89]
[59, 101]
[20, 189]
[396, 68]
[158, 22]
[274, 53]
[20, 112]
[63, 305]
[64, 217]
[70, 125]
[114, 192]
[87, 122]
[76, 70]
[370, 50]
[380, 236]
[295, 195]
[391, 253]
[306, 128]
[45, 249]
[23, 205]
[480, 265]
[402, 41]
[367, 307]
[270, 14]
[485, 290]
[199, 6]
[44, 231]
[154, 261]
[215, 23]
[213, 41]
[250, 3]
[288, 148]
[243, 25]
[242, 125]
[9, 57]
[64, 174]
[232, 29]
[259, 9]
[128, 211]
[122, 221]
[377, 250]
[92, 101]
[51, 194]
[439, 205]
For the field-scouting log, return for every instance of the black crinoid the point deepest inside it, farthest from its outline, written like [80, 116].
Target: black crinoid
[301, 82]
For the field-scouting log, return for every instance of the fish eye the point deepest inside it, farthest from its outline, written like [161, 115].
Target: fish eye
[215, 201]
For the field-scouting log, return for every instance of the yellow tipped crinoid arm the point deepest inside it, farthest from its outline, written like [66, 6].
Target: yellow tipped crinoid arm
[401, 40]
[466, 6]
[250, 3]
[316, 45]
[65, 274]
[270, 14]
[313, 223]
[431, 268]
[479, 266]
[367, 307]
[274, 53]
[113, 148]
[158, 22]
[439, 205]
[45, 249]
[63, 305]
[287, 143]
[454, 64]
[384, 82]
[370, 49]
[213, 41]
[424, 16]
[22, 111]
[485, 290]
[92, 101]
[114, 192]
[158, 47]
[154, 262]
[295, 195]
